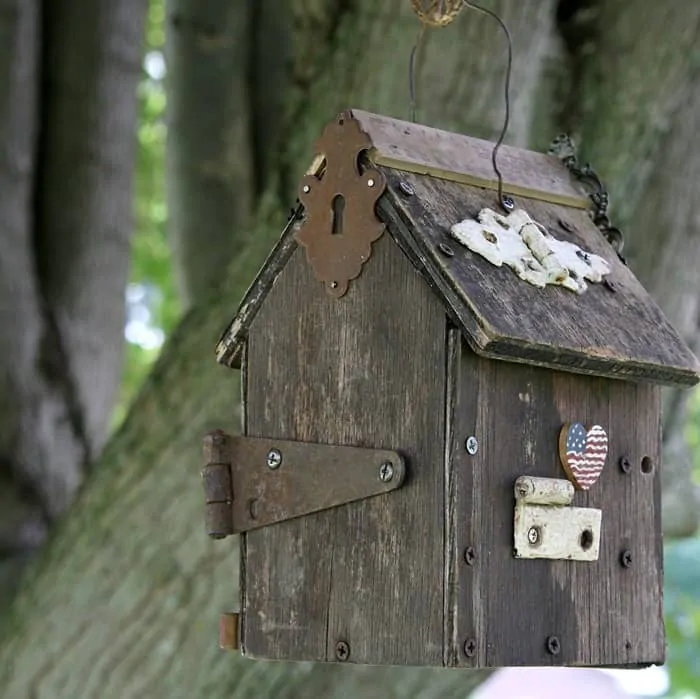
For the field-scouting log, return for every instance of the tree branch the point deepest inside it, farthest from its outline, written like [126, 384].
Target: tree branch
[211, 180]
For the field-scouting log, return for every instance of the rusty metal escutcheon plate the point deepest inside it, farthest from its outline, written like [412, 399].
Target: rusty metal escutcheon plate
[273, 480]
[340, 224]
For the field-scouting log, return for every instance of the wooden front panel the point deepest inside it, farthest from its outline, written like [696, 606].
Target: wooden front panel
[366, 370]
[602, 613]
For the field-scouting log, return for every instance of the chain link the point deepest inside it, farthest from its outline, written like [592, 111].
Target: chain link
[564, 149]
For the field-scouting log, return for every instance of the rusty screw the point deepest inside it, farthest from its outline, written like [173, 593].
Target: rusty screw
[625, 465]
[274, 459]
[342, 651]
[469, 555]
[553, 645]
[406, 189]
[471, 445]
[626, 559]
[386, 472]
[470, 647]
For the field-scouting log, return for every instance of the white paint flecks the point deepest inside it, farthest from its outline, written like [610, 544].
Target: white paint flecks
[529, 250]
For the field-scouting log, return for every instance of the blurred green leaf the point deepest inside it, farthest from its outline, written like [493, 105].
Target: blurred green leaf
[151, 260]
[682, 612]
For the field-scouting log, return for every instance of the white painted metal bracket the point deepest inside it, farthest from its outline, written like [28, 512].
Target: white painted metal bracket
[546, 526]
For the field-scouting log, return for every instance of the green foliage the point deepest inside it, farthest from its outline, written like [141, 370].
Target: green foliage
[682, 612]
[151, 263]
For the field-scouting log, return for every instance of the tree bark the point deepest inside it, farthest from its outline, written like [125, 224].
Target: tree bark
[125, 600]
[68, 108]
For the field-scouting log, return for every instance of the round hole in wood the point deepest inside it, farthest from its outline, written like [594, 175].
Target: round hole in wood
[647, 465]
[586, 539]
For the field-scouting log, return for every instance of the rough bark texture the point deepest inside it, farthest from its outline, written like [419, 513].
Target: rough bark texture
[124, 602]
[67, 105]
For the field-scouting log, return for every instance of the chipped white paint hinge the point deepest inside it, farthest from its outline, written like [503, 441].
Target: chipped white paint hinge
[546, 526]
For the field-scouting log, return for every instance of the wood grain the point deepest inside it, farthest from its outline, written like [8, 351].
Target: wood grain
[622, 334]
[410, 147]
[367, 370]
[601, 612]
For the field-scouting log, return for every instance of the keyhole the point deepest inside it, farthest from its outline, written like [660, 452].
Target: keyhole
[338, 210]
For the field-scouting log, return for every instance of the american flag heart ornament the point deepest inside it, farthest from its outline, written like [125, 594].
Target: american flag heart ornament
[583, 453]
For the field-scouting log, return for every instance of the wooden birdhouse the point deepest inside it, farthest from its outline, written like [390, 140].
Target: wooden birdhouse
[450, 449]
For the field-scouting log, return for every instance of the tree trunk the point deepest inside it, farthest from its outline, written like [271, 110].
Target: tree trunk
[67, 107]
[124, 602]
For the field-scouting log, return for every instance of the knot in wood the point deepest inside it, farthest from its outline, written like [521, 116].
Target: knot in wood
[437, 13]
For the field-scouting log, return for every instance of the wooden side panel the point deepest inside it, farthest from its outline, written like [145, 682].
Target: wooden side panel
[368, 370]
[602, 613]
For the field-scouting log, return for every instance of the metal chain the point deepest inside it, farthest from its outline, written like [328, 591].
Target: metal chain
[564, 148]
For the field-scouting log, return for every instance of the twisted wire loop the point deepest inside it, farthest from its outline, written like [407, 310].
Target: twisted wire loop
[564, 148]
[437, 13]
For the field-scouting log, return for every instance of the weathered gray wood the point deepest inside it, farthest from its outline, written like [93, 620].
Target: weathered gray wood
[601, 612]
[229, 349]
[621, 333]
[421, 149]
[368, 370]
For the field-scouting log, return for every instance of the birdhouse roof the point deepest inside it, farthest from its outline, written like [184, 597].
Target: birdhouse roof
[440, 206]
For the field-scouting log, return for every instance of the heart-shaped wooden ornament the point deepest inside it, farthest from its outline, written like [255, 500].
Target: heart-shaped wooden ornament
[583, 453]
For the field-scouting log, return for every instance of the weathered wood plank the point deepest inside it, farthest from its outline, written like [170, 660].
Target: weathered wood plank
[420, 149]
[452, 380]
[230, 346]
[622, 333]
[601, 612]
[368, 370]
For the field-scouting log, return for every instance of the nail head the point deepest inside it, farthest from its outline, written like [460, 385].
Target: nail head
[553, 645]
[406, 188]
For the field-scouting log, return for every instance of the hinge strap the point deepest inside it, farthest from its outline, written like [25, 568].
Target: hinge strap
[252, 482]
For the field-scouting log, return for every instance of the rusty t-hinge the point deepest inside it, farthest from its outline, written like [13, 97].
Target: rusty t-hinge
[251, 482]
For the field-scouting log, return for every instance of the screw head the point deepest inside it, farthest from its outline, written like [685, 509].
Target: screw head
[471, 445]
[306, 189]
[469, 555]
[370, 182]
[406, 189]
[626, 559]
[508, 203]
[610, 286]
[334, 285]
[584, 256]
[470, 647]
[274, 459]
[342, 651]
[446, 250]
[386, 472]
[625, 465]
[553, 645]
[533, 535]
